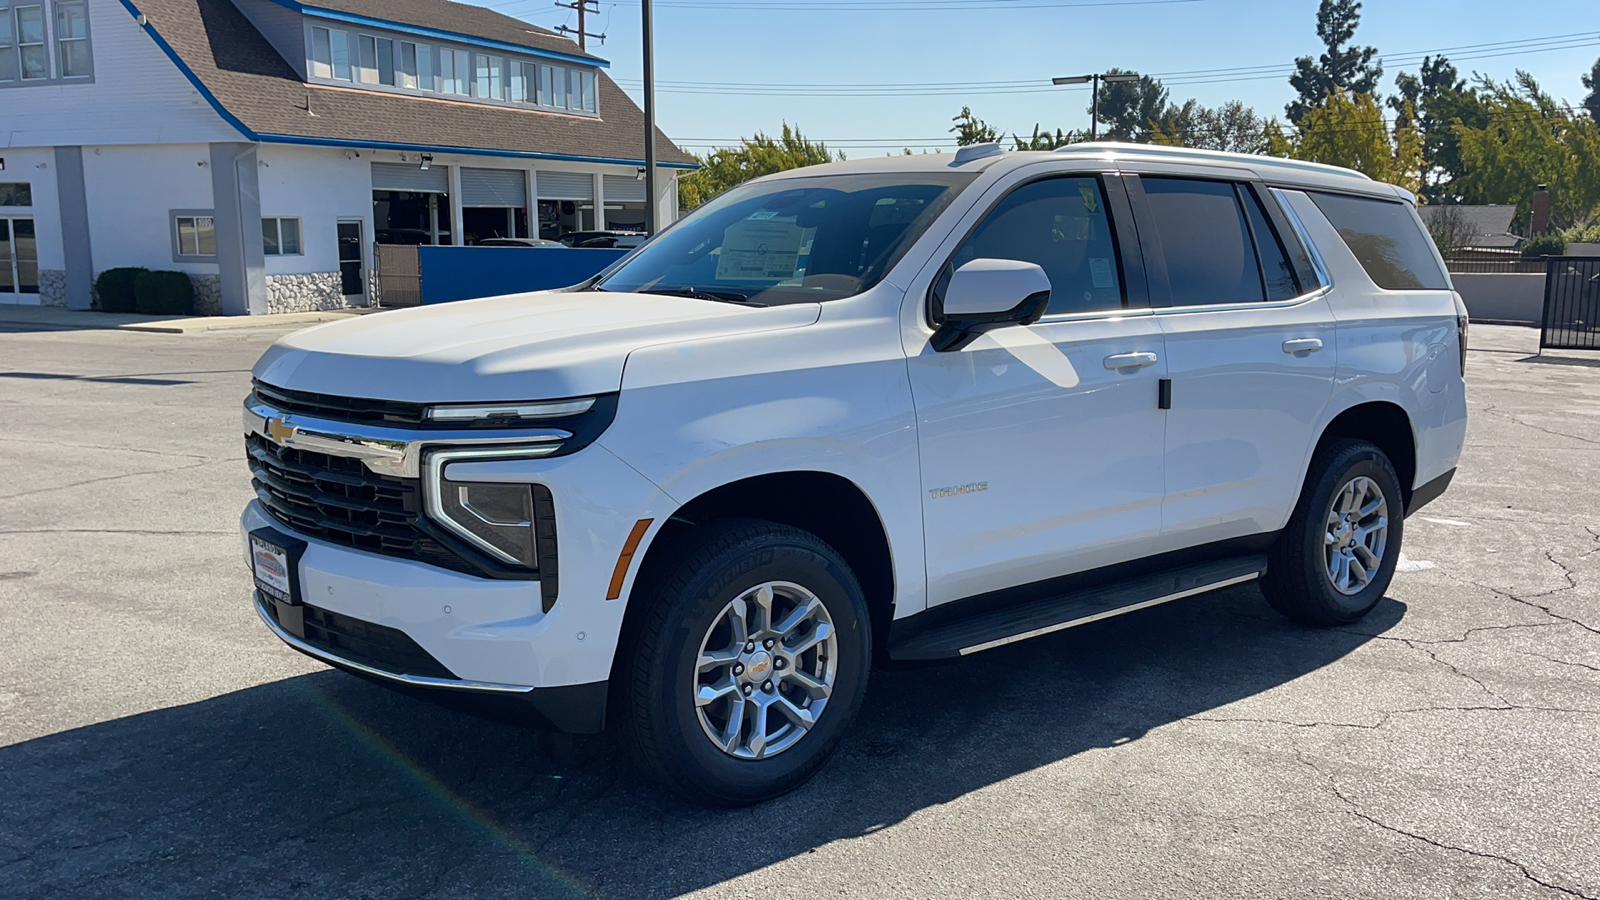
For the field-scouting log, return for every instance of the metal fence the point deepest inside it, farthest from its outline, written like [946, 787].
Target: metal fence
[1571, 304]
[399, 275]
[1507, 265]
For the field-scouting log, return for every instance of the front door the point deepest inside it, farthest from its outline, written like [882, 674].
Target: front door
[352, 259]
[1041, 445]
[1250, 350]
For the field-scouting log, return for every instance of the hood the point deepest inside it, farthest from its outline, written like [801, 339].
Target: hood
[518, 347]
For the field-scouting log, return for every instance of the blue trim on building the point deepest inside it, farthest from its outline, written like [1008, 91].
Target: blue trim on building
[318, 12]
[166, 48]
[466, 151]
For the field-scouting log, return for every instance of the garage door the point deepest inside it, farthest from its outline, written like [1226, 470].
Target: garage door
[494, 187]
[403, 177]
[565, 185]
[624, 189]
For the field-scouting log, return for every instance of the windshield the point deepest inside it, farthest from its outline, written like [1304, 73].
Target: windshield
[797, 240]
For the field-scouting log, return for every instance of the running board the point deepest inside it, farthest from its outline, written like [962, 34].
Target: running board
[992, 628]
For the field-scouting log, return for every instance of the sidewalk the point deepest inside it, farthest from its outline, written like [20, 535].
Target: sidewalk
[52, 318]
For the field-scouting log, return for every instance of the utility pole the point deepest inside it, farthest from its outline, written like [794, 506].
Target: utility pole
[650, 212]
[582, 31]
[1094, 104]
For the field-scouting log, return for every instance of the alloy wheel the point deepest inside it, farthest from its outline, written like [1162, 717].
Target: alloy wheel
[1356, 536]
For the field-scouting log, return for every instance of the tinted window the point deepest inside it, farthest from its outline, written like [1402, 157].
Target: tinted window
[793, 240]
[1060, 225]
[1275, 268]
[1385, 237]
[1205, 241]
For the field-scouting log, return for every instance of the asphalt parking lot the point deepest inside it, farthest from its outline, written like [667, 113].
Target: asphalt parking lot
[155, 740]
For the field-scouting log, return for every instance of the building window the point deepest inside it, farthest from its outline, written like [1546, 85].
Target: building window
[490, 73]
[455, 72]
[16, 193]
[425, 67]
[194, 236]
[280, 236]
[367, 64]
[72, 39]
[519, 89]
[330, 54]
[19, 256]
[8, 46]
[30, 42]
[385, 61]
[590, 102]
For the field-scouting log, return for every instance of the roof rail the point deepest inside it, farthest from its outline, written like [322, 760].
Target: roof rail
[1209, 156]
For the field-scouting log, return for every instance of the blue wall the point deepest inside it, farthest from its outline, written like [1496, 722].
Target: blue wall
[462, 273]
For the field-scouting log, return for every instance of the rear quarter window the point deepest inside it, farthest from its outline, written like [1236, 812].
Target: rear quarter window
[1386, 239]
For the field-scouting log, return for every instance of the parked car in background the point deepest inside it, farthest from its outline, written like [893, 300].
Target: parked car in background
[914, 407]
[518, 242]
[582, 238]
[609, 242]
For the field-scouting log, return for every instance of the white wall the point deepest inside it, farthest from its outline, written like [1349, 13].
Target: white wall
[1502, 297]
[130, 191]
[137, 96]
[37, 167]
[320, 185]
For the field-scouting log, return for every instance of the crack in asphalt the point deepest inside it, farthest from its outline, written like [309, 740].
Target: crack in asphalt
[156, 531]
[1388, 716]
[1361, 814]
[14, 440]
[1564, 662]
[1596, 535]
[1493, 411]
[62, 487]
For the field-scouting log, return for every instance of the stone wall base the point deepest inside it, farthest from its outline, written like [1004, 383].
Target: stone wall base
[312, 292]
[207, 294]
[52, 287]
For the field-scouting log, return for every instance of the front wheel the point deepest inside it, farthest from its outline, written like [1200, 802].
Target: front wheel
[749, 659]
[1334, 561]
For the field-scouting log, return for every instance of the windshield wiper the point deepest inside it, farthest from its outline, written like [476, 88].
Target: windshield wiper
[697, 294]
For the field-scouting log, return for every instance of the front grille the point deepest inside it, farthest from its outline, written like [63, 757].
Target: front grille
[340, 500]
[378, 646]
[342, 409]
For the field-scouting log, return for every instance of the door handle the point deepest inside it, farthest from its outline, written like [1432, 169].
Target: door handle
[1136, 360]
[1302, 345]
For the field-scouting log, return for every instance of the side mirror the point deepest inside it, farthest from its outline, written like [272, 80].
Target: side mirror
[985, 293]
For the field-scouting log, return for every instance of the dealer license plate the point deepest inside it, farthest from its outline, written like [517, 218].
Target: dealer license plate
[271, 563]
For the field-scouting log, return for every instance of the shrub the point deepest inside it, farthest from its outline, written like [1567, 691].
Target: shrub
[1588, 233]
[164, 293]
[1544, 245]
[114, 288]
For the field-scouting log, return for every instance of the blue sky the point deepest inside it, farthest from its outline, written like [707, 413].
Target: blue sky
[849, 49]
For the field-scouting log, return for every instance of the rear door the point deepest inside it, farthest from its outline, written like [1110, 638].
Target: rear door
[1250, 352]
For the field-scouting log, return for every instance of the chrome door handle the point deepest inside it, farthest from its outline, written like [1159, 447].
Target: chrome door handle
[1136, 360]
[1302, 345]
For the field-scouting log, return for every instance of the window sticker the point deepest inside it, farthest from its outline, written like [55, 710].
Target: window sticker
[1100, 272]
[756, 250]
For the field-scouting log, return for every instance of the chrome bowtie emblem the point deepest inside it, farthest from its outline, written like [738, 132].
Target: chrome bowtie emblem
[280, 431]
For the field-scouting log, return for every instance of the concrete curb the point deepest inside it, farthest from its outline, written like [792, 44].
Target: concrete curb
[47, 318]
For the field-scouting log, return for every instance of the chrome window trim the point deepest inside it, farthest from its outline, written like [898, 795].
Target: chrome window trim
[1096, 315]
[1307, 297]
[397, 452]
[433, 466]
[1305, 238]
[418, 680]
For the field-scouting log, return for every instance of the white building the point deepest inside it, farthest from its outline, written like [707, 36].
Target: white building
[265, 146]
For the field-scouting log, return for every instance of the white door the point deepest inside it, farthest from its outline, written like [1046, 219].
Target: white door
[1039, 460]
[19, 261]
[1250, 351]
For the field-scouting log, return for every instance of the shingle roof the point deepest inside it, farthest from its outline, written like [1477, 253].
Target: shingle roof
[1491, 223]
[458, 18]
[258, 88]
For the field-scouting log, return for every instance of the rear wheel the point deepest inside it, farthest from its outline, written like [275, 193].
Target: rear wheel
[750, 658]
[1334, 561]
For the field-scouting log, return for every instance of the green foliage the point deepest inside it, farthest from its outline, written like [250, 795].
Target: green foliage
[1435, 97]
[1350, 131]
[1340, 68]
[1044, 140]
[164, 293]
[1544, 245]
[1129, 110]
[114, 288]
[1592, 82]
[1587, 233]
[970, 129]
[1526, 138]
[1232, 126]
[722, 169]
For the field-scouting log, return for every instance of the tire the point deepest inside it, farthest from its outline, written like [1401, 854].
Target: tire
[1301, 582]
[689, 612]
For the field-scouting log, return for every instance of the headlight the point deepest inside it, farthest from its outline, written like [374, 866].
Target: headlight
[496, 517]
[501, 519]
[501, 414]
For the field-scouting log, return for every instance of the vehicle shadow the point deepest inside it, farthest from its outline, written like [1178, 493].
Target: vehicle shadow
[326, 786]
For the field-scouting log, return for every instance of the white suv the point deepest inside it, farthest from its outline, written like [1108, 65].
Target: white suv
[905, 408]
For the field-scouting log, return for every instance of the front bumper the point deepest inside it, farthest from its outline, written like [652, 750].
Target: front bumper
[576, 708]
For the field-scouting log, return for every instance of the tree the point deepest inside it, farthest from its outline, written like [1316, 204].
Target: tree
[970, 129]
[1128, 108]
[1434, 97]
[1451, 228]
[724, 168]
[1529, 139]
[1592, 82]
[1232, 126]
[1340, 68]
[1349, 130]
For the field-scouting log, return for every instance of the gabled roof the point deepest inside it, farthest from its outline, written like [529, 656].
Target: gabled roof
[1491, 223]
[257, 91]
[451, 18]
